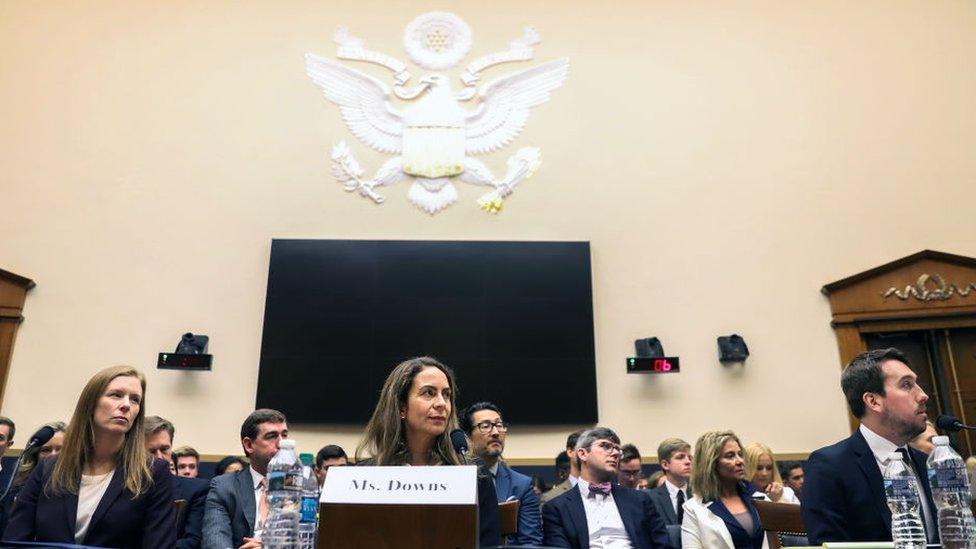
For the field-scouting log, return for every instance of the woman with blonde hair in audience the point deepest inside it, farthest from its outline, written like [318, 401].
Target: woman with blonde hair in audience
[721, 514]
[103, 489]
[763, 472]
[411, 425]
[35, 455]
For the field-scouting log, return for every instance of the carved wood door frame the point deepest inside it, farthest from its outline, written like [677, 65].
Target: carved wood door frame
[13, 294]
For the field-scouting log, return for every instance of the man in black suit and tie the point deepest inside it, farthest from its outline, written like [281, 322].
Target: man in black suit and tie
[189, 525]
[843, 489]
[674, 456]
[598, 512]
[237, 503]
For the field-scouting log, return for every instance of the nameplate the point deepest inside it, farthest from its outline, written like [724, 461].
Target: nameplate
[446, 485]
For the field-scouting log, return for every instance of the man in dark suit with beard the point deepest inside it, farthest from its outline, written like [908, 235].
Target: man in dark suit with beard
[159, 442]
[843, 490]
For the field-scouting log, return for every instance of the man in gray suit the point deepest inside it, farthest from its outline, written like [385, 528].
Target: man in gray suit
[237, 502]
[574, 471]
[674, 456]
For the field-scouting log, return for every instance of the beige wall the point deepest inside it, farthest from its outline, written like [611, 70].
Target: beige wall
[725, 160]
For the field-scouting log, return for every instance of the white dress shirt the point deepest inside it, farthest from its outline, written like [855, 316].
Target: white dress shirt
[256, 478]
[573, 481]
[606, 528]
[882, 448]
[673, 492]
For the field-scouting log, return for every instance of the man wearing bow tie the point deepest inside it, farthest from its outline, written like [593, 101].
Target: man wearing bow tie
[598, 514]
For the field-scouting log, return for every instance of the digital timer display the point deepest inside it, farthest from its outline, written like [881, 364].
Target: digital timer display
[663, 365]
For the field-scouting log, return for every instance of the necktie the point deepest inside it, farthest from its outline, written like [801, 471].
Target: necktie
[263, 503]
[680, 510]
[921, 492]
[602, 488]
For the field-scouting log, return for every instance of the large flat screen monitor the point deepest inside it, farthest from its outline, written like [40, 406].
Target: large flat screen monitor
[513, 319]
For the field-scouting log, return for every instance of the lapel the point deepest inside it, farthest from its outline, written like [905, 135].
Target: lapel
[112, 493]
[503, 482]
[245, 494]
[719, 518]
[621, 498]
[69, 503]
[664, 497]
[578, 516]
[869, 468]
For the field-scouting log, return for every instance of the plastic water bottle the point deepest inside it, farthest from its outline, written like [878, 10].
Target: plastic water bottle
[285, 483]
[902, 491]
[950, 490]
[308, 526]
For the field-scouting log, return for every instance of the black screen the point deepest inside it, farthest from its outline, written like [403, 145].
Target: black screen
[514, 320]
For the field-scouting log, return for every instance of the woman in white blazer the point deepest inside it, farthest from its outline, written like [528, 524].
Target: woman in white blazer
[720, 515]
[763, 472]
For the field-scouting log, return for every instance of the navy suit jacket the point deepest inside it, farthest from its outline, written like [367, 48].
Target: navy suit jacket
[189, 527]
[511, 484]
[118, 521]
[564, 520]
[843, 493]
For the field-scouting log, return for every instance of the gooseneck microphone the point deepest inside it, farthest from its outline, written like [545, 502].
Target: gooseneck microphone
[951, 423]
[460, 442]
[39, 438]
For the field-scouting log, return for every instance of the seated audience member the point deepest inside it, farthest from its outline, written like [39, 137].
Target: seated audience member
[36, 455]
[763, 472]
[630, 466]
[843, 489]
[539, 485]
[644, 483]
[411, 426]
[102, 489]
[674, 456]
[573, 477]
[487, 430]
[562, 468]
[237, 503]
[187, 462]
[189, 525]
[329, 456]
[7, 431]
[598, 513]
[792, 473]
[229, 464]
[923, 442]
[720, 513]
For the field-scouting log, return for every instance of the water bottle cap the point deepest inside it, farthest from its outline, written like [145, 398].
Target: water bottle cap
[940, 441]
[287, 443]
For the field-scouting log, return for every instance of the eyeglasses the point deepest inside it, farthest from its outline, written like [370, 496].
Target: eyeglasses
[608, 446]
[630, 474]
[485, 426]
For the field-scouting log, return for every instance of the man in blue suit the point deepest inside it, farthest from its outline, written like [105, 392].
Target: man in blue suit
[486, 429]
[598, 512]
[843, 489]
[189, 524]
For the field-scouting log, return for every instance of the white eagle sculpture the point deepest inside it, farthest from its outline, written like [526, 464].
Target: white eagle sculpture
[434, 137]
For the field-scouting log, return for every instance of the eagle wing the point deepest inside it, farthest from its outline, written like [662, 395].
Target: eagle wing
[363, 100]
[505, 104]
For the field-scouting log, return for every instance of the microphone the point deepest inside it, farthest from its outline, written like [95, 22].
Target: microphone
[950, 423]
[39, 438]
[460, 442]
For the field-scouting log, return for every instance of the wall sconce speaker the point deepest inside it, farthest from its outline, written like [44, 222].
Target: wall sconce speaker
[649, 347]
[732, 349]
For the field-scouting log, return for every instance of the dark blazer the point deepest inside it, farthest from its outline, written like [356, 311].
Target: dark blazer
[843, 493]
[564, 520]
[118, 521]
[515, 485]
[740, 537]
[189, 527]
[662, 502]
[229, 510]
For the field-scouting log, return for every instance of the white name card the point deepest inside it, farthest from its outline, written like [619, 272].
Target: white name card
[445, 485]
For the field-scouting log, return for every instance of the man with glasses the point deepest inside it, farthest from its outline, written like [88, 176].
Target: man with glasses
[598, 513]
[630, 466]
[485, 427]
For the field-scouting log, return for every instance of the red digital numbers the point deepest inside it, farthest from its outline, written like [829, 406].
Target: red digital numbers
[662, 365]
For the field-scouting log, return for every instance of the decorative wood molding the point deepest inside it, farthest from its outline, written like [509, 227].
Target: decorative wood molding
[13, 294]
[920, 289]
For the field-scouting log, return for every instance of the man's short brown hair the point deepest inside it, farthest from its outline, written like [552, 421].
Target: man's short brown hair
[668, 448]
[155, 424]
